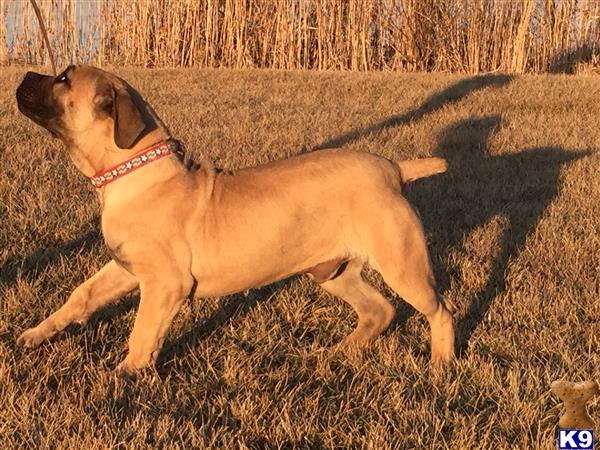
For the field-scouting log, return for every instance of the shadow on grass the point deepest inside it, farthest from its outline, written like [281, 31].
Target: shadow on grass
[34, 264]
[478, 187]
[569, 61]
[230, 307]
[451, 94]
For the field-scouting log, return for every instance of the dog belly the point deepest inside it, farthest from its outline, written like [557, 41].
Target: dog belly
[229, 278]
[221, 284]
[267, 256]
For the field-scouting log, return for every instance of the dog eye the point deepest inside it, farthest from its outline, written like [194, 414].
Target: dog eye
[62, 78]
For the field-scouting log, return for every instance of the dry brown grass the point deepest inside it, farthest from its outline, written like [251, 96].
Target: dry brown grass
[468, 36]
[514, 235]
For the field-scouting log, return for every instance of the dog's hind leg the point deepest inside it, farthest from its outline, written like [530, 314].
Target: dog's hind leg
[107, 285]
[399, 252]
[374, 312]
[419, 291]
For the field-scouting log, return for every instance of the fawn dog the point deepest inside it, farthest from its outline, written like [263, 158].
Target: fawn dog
[176, 230]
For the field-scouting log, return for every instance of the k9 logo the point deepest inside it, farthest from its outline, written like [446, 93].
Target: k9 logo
[575, 439]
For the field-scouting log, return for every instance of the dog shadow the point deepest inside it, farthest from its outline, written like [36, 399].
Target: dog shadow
[230, 307]
[34, 264]
[477, 188]
[451, 94]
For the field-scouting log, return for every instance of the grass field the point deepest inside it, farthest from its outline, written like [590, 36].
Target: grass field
[513, 230]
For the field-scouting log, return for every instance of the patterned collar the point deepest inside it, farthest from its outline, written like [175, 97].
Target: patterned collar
[146, 156]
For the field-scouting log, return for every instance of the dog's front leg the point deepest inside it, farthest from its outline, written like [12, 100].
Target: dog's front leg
[109, 284]
[160, 301]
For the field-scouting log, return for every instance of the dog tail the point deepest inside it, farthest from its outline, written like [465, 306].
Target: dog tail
[419, 168]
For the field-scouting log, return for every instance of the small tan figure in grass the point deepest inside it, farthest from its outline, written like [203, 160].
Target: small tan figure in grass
[575, 396]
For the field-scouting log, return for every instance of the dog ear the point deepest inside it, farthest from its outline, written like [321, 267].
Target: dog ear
[129, 124]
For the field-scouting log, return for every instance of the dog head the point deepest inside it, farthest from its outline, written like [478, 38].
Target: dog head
[85, 104]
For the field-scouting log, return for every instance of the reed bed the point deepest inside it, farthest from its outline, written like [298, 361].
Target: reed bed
[467, 36]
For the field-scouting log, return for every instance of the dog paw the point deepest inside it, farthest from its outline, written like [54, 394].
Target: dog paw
[125, 372]
[442, 360]
[32, 338]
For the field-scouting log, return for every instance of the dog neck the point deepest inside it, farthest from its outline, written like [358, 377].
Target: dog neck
[91, 158]
[147, 156]
[94, 162]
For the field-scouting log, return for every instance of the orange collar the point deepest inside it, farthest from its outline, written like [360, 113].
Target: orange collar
[146, 156]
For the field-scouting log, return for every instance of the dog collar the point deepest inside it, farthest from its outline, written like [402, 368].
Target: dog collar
[146, 156]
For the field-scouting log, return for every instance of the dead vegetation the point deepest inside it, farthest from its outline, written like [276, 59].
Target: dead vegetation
[468, 36]
[513, 231]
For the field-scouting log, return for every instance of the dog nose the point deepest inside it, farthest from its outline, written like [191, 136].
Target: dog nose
[30, 85]
[28, 92]
[33, 76]
[31, 80]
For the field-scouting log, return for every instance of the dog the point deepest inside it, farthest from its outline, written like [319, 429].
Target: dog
[175, 231]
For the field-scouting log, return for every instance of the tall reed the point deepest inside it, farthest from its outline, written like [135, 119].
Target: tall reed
[405, 35]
